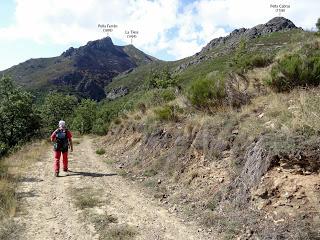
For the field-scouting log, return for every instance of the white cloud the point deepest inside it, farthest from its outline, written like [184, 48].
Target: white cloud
[163, 25]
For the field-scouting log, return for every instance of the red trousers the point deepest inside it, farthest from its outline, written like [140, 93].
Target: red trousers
[57, 155]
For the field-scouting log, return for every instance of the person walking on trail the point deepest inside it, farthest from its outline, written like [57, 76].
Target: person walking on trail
[62, 139]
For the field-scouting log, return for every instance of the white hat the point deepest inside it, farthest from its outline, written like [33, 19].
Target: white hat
[62, 124]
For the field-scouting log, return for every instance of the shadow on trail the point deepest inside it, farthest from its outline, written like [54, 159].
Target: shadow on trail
[88, 174]
[29, 179]
[26, 194]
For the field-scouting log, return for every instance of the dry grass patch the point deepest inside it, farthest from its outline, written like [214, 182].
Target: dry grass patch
[120, 232]
[107, 226]
[86, 198]
[101, 222]
[8, 228]
[8, 202]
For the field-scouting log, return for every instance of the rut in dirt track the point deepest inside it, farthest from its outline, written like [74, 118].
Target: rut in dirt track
[49, 211]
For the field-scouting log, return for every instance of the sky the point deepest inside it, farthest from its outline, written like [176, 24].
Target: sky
[167, 29]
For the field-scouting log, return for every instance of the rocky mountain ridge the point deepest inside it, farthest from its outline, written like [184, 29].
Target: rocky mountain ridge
[229, 42]
[83, 71]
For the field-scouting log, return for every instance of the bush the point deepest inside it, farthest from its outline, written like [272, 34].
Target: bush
[238, 59]
[162, 96]
[318, 24]
[167, 113]
[207, 92]
[295, 70]
[257, 61]
[100, 127]
[19, 121]
[162, 79]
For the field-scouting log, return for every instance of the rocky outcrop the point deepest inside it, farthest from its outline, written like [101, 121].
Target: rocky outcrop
[274, 25]
[117, 92]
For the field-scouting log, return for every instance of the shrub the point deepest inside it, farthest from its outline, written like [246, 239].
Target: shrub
[160, 96]
[318, 24]
[100, 127]
[237, 59]
[167, 113]
[19, 121]
[258, 61]
[207, 92]
[295, 70]
[162, 79]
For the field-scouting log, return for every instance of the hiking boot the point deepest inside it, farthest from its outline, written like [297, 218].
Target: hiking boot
[56, 174]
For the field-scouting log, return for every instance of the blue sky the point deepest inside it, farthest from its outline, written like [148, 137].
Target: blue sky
[168, 29]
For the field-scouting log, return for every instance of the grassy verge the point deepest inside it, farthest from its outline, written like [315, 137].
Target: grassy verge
[11, 169]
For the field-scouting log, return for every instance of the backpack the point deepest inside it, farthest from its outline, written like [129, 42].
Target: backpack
[62, 142]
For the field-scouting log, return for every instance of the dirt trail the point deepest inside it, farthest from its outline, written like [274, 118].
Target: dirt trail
[49, 211]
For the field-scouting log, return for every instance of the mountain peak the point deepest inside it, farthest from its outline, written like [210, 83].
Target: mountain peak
[104, 43]
[100, 44]
[281, 23]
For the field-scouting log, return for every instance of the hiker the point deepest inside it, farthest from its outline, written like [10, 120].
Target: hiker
[62, 139]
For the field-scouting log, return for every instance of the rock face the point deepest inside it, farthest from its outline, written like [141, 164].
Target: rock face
[97, 63]
[117, 92]
[84, 71]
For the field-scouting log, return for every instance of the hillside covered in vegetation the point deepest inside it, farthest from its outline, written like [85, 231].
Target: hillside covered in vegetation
[228, 137]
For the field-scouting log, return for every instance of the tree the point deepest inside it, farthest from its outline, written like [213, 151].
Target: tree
[238, 61]
[57, 106]
[18, 118]
[85, 116]
[318, 24]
